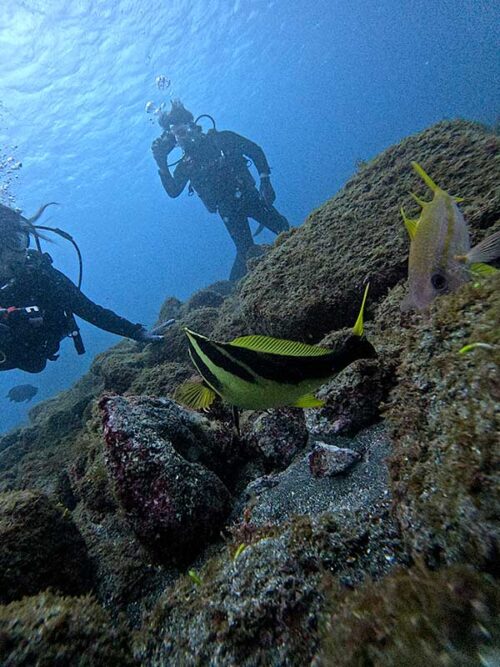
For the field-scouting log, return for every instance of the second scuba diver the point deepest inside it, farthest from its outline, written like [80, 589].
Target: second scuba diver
[38, 302]
[216, 167]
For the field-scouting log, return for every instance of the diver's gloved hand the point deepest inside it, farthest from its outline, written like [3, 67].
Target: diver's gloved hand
[161, 147]
[155, 335]
[266, 190]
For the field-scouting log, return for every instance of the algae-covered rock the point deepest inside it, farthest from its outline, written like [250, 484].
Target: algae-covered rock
[40, 547]
[174, 505]
[50, 631]
[445, 423]
[259, 601]
[444, 618]
[312, 281]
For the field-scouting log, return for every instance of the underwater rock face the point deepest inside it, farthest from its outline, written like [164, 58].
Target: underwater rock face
[444, 421]
[417, 617]
[39, 548]
[311, 281]
[174, 506]
[57, 631]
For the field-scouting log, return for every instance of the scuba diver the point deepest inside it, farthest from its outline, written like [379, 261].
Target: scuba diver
[38, 302]
[215, 165]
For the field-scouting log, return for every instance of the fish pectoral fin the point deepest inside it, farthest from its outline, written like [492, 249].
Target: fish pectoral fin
[479, 270]
[486, 250]
[195, 395]
[270, 345]
[308, 401]
[410, 224]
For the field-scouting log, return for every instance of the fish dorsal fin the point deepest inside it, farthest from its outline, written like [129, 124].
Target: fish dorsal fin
[410, 224]
[486, 250]
[193, 334]
[357, 329]
[195, 395]
[288, 348]
[425, 177]
[420, 202]
[428, 181]
[308, 401]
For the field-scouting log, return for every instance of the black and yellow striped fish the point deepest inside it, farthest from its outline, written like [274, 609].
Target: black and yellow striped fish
[260, 372]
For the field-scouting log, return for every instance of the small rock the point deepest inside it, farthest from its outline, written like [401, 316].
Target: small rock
[278, 436]
[329, 460]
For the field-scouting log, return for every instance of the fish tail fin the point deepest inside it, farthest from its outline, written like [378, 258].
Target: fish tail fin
[425, 177]
[486, 250]
[357, 329]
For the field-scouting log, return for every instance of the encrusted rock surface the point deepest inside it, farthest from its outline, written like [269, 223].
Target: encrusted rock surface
[312, 279]
[174, 505]
[40, 547]
[445, 422]
[51, 630]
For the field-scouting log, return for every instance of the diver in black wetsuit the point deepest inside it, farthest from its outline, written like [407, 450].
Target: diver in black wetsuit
[37, 303]
[216, 168]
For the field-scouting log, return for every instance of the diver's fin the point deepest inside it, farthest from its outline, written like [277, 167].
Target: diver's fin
[410, 224]
[425, 177]
[35, 217]
[195, 395]
[486, 251]
[288, 348]
[259, 229]
[357, 329]
[308, 401]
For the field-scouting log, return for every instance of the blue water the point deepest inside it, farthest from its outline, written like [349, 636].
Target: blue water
[317, 85]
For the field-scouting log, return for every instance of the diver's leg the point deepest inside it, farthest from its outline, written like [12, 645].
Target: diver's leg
[266, 215]
[239, 230]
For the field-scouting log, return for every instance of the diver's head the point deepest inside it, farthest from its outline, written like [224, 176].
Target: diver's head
[186, 134]
[14, 241]
[177, 115]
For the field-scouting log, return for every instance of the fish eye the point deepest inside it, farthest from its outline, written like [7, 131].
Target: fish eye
[439, 281]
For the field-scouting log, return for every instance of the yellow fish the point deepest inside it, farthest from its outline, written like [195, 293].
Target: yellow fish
[441, 259]
[259, 372]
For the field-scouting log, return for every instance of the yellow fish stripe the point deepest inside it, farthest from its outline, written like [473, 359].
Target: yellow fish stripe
[289, 348]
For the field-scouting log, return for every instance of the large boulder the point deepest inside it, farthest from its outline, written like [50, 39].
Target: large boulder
[40, 547]
[174, 503]
[312, 279]
[52, 631]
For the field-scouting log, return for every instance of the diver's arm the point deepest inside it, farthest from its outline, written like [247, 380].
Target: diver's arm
[236, 142]
[161, 148]
[252, 150]
[175, 184]
[70, 296]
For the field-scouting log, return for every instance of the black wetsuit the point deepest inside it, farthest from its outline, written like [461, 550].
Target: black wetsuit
[217, 170]
[29, 339]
